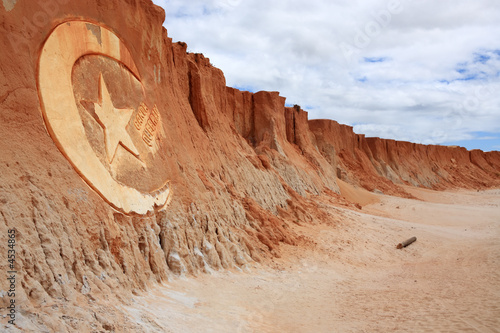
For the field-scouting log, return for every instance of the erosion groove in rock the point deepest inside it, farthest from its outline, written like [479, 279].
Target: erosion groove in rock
[242, 167]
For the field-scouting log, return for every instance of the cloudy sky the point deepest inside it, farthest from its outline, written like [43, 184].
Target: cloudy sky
[424, 71]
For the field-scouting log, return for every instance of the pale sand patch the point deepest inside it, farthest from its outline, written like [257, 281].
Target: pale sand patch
[355, 280]
[356, 195]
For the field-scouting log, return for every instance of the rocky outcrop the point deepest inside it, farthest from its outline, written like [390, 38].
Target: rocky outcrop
[382, 164]
[242, 166]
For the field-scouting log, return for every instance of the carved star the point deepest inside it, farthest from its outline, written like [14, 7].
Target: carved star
[114, 122]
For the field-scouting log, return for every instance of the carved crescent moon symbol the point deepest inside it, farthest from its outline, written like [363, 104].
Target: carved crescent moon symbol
[66, 44]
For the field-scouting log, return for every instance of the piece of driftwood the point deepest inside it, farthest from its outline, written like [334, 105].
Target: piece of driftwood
[406, 243]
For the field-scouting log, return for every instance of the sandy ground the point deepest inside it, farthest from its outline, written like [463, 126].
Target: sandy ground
[354, 279]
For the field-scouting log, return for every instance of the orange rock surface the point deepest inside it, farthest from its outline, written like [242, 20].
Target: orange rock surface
[242, 168]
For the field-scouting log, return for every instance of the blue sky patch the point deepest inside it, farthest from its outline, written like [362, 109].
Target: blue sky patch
[245, 88]
[375, 59]
[481, 140]
[180, 15]
[469, 77]
[482, 58]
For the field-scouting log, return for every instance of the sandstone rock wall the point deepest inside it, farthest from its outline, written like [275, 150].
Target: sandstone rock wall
[242, 167]
[382, 164]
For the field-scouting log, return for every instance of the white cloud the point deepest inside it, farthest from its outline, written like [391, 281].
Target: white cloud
[424, 71]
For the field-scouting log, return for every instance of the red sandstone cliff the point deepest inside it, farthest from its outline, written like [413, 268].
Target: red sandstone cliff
[241, 165]
[381, 164]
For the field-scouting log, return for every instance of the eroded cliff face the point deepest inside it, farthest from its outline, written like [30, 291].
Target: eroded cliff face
[380, 164]
[242, 167]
